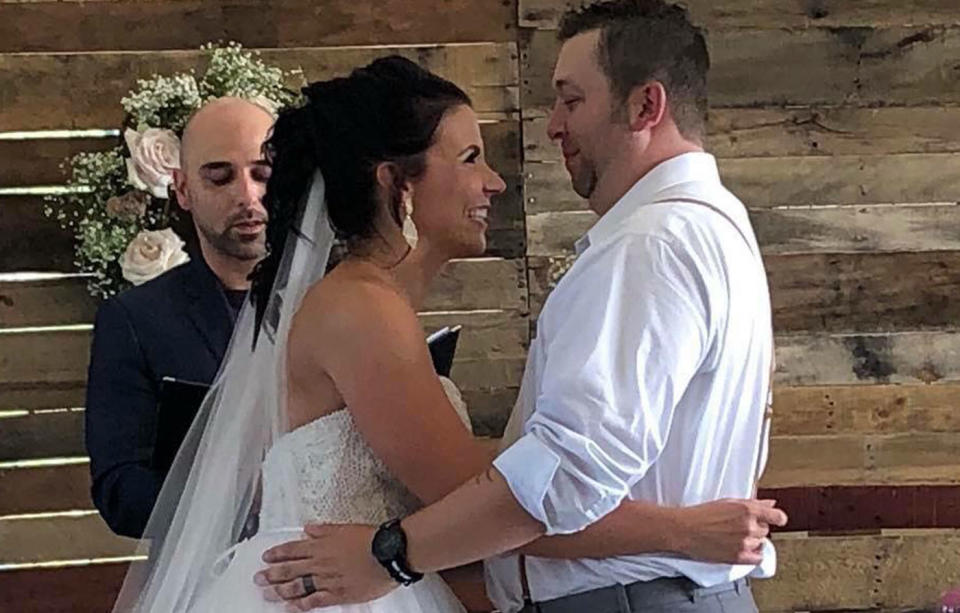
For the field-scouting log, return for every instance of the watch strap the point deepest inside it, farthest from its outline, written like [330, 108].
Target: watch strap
[397, 564]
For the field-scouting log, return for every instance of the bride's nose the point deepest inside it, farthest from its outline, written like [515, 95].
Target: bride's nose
[493, 183]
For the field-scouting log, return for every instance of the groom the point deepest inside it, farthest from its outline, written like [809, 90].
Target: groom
[648, 378]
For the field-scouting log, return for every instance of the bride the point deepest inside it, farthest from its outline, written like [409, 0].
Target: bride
[329, 417]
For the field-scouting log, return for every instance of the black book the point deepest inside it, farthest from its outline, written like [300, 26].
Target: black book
[443, 346]
[180, 400]
[179, 403]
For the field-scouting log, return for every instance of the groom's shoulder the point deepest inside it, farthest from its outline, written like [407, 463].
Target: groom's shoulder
[655, 225]
[688, 214]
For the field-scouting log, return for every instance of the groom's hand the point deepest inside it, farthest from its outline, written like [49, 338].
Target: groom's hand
[729, 531]
[338, 559]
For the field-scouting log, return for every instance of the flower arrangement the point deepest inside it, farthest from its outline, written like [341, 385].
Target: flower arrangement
[117, 202]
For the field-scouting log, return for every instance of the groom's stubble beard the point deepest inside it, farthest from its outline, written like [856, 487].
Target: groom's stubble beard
[584, 177]
[584, 174]
[585, 184]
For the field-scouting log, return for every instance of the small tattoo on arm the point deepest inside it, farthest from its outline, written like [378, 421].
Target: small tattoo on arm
[485, 476]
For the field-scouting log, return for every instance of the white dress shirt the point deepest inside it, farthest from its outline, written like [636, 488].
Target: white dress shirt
[647, 380]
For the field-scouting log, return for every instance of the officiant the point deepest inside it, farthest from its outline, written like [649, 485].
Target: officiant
[177, 325]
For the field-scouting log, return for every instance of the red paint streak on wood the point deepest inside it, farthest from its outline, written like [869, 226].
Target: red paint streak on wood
[856, 508]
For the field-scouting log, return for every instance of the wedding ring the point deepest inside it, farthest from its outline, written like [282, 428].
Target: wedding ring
[308, 586]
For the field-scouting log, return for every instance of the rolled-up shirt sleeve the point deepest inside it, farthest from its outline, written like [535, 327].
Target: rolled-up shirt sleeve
[621, 337]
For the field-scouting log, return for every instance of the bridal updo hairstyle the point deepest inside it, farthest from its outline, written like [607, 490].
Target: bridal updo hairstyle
[387, 111]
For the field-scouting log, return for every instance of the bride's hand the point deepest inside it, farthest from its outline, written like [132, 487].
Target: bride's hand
[338, 559]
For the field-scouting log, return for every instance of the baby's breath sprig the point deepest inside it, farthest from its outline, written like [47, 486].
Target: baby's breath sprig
[163, 102]
[234, 72]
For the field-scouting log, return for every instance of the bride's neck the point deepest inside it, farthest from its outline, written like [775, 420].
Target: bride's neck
[416, 272]
[412, 269]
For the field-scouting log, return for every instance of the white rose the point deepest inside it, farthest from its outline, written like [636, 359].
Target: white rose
[154, 155]
[152, 253]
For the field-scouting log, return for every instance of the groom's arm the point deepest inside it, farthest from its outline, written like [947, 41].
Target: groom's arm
[727, 531]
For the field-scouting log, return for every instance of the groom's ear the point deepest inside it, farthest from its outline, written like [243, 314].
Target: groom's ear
[646, 106]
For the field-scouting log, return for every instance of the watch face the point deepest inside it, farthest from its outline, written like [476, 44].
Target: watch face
[388, 544]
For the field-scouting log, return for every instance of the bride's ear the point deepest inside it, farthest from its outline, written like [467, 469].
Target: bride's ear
[386, 175]
[399, 198]
[397, 192]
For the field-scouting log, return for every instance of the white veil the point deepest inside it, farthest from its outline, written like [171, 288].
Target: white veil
[212, 488]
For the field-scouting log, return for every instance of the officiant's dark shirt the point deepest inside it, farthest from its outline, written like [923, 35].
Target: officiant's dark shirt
[177, 325]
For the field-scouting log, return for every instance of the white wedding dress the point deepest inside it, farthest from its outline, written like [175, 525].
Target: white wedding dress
[339, 480]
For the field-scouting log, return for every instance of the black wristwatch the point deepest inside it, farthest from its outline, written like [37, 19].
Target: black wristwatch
[390, 549]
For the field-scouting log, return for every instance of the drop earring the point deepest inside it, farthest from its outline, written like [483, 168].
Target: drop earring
[409, 228]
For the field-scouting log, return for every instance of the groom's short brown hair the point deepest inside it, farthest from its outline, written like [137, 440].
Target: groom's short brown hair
[643, 40]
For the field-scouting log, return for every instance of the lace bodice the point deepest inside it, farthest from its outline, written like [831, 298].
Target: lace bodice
[324, 472]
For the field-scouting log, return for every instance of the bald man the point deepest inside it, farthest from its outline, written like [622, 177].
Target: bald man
[179, 324]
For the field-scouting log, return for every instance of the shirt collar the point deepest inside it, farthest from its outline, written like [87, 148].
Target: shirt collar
[695, 166]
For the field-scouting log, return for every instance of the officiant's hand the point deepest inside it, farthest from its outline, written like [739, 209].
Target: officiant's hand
[338, 559]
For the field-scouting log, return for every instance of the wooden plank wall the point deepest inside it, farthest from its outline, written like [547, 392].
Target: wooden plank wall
[834, 121]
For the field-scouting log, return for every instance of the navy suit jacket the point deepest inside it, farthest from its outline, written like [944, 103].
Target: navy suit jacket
[177, 325]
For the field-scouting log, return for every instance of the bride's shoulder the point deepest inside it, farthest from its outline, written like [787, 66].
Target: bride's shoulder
[346, 301]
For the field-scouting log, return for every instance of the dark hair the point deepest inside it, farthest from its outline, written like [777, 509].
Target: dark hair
[649, 39]
[387, 111]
